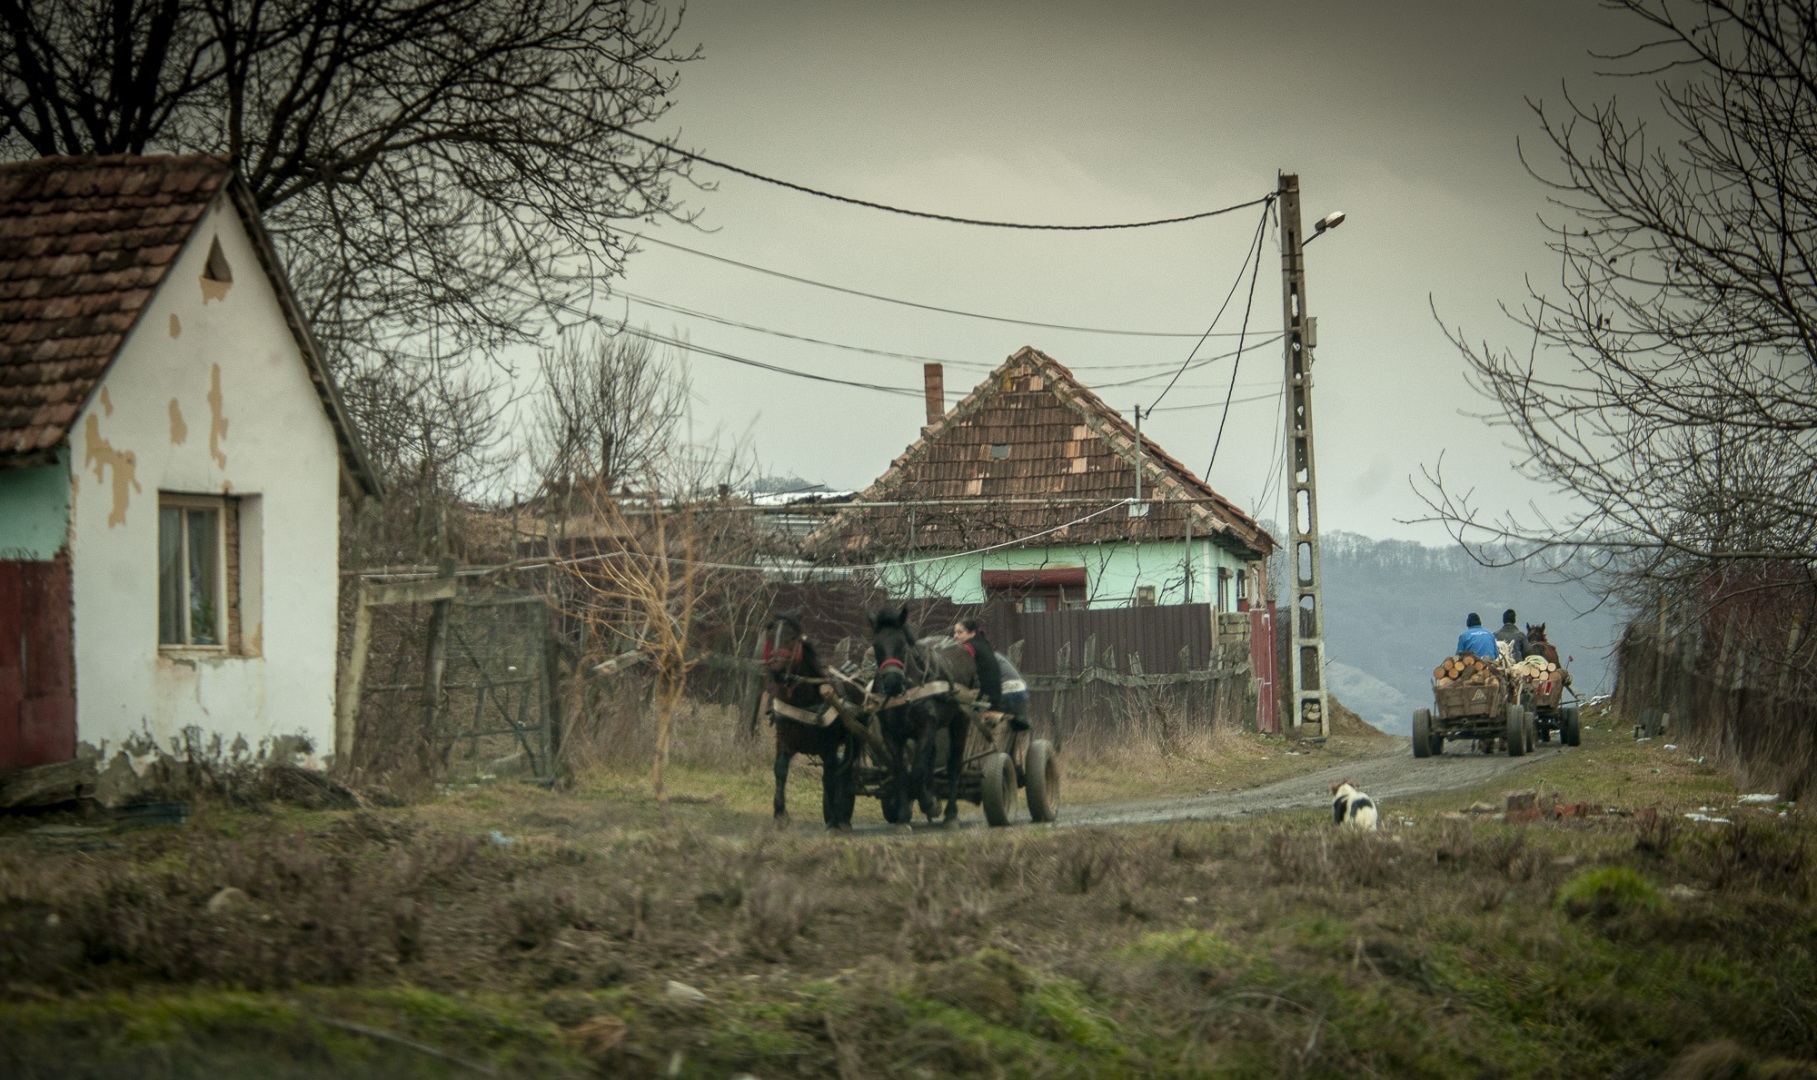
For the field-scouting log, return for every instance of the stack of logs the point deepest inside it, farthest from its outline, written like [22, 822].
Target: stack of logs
[1469, 669]
[1535, 669]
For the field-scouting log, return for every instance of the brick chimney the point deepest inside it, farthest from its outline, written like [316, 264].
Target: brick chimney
[934, 382]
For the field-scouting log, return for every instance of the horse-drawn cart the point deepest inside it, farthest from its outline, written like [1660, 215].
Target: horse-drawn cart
[1545, 698]
[996, 764]
[1484, 712]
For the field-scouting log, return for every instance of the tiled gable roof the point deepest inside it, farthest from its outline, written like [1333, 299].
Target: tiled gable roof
[1031, 431]
[83, 244]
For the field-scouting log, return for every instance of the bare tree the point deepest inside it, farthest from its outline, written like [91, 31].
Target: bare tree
[609, 410]
[461, 164]
[1667, 387]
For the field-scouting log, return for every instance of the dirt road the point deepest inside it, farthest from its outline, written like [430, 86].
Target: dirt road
[1396, 774]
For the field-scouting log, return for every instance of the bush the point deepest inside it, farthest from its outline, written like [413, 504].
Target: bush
[1608, 891]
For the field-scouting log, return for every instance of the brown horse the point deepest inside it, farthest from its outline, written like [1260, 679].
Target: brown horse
[803, 725]
[904, 664]
[1537, 645]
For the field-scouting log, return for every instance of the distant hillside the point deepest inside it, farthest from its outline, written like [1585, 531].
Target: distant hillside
[1395, 607]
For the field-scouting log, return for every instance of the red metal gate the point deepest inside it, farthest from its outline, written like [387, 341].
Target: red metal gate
[37, 664]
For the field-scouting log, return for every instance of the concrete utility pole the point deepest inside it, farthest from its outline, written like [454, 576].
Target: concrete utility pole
[1307, 661]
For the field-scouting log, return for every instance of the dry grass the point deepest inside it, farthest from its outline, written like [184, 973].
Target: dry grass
[1441, 947]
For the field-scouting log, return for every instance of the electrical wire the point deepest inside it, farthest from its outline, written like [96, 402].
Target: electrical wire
[953, 219]
[625, 327]
[721, 320]
[537, 564]
[1234, 367]
[1254, 252]
[1202, 362]
[915, 304]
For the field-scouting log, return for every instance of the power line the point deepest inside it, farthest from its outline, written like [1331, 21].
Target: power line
[677, 343]
[914, 304]
[1202, 362]
[721, 320]
[804, 189]
[1247, 305]
[1254, 252]
[661, 339]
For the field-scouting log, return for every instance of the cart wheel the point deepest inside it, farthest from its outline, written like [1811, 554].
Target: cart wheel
[999, 788]
[1422, 733]
[1570, 733]
[1517, 731]
[1041, 778]
[1532, 734]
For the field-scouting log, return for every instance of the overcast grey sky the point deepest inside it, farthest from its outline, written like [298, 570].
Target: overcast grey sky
[1405, 115]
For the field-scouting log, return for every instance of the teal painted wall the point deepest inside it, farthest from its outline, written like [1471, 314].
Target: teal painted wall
[1113, 572]
[34, 510]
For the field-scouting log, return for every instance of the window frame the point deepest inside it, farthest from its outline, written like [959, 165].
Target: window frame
[180, 501]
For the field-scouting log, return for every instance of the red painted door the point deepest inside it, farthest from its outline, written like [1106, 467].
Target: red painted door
[37, 664]
[1262, 662]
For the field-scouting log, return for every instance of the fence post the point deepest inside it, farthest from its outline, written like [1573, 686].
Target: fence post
[1014, 653]
[347, 707]
[435, 664]
[750, 691]
[1189, 690]
[1060, 721]
[842, 652]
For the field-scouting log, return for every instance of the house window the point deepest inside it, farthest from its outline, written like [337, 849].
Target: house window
[1034, 603]
[1145, 596]
[198, 571]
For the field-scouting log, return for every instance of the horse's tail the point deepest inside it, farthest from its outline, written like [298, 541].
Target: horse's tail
[990, 675]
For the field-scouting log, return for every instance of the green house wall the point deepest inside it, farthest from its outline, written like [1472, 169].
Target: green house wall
[34, 510]
[1113, 572]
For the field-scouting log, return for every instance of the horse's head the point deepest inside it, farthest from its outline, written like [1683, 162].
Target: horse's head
[785, 647]
[1536, 632]
[893, 644]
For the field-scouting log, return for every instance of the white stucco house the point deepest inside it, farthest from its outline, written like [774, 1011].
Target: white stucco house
[172, 456]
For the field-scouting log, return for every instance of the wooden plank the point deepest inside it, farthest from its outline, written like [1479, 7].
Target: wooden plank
[429, 591]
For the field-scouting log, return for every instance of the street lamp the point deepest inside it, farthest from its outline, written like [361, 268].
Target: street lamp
[1329, 221]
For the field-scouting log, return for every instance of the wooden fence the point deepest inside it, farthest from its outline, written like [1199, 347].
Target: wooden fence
[1724, 703]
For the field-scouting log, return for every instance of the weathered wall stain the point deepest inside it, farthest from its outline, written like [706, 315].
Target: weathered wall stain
[214, 290]
[102, 455]
[107, 403]
[217, 420]
[176, 325]
[179, 431]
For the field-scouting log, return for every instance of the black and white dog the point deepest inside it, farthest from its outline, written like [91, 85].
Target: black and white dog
[1351, 807]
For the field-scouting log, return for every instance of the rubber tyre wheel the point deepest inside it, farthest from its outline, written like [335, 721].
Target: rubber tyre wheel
[1041, 781]
[999, 788]
[1532, 732]
[1516, 731]
[1422, 733]
[1570, 733]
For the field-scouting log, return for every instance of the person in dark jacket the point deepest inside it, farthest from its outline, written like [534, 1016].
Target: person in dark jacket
[1014, 698]
[1475, 640]
[1512, 633]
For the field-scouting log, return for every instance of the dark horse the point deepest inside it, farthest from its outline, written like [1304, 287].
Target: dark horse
[795, 678]
[1537, 645]
[902, 665]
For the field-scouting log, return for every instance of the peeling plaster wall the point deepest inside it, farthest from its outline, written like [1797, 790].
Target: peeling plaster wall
[209, 395]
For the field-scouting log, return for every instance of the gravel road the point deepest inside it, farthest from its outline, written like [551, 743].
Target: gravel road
[1396, 774]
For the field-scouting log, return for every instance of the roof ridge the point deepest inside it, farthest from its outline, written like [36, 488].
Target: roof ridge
[65, 161]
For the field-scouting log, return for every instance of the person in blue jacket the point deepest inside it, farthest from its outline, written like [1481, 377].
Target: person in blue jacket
[1475, 640]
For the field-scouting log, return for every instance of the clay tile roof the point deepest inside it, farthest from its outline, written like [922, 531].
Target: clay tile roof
[1032, 431]
[83, 244]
